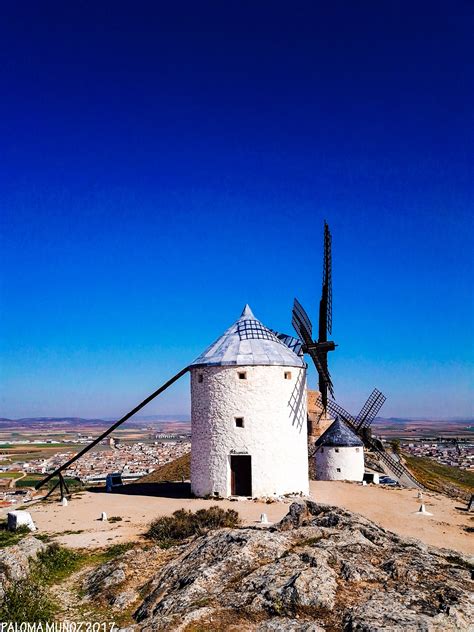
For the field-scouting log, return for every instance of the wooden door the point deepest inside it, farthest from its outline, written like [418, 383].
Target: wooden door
[241, 474]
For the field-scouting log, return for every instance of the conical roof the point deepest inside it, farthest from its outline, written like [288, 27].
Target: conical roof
[339, 435]
[248, 342]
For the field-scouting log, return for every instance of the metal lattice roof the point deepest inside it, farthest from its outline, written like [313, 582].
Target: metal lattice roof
[339, 435]
[247, 343]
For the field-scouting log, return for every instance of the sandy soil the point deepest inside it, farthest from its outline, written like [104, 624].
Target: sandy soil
[393, 509]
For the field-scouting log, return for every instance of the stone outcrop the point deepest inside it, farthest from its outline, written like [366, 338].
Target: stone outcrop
[15, 561]
[321, 568]
[104, 577]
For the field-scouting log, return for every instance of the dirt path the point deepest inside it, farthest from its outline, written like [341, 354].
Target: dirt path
[78, 524]
[67, 597]
[15, 480]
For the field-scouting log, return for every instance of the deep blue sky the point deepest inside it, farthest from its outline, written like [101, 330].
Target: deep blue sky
[161, 167]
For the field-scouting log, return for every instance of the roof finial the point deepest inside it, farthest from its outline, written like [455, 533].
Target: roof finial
[247, 312]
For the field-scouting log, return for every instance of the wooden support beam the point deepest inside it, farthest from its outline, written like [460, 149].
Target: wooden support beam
[111, 429]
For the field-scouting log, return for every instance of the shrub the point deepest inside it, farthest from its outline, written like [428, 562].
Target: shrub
[183, 524]
[175, 527]
[115, 519]
[26, 600]
[216, 518]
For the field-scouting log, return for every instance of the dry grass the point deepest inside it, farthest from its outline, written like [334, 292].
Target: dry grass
[226, 620]
[445, 479]
[177, 470]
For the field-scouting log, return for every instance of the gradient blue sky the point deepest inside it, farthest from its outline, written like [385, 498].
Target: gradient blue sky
[162, 166]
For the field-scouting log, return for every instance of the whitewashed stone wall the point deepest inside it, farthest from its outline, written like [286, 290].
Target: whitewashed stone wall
[274, 433]
[348, 460]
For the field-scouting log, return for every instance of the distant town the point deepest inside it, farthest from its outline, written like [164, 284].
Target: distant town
[27, 457]
[458, 453]
[132, 460]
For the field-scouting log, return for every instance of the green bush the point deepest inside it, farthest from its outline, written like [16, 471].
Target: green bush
[27, 600]
[183, 524]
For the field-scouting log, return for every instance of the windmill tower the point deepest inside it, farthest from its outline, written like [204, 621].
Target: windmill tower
[249, 407]
[248, 415]
[339, 454]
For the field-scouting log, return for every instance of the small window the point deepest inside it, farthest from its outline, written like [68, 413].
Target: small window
[357, 449]
[287, 375]
[338, 469]
[200, 377]
[337, 449]
[239, 422]
[242, 375]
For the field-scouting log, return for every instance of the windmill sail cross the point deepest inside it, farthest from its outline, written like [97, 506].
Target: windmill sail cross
[318, 349]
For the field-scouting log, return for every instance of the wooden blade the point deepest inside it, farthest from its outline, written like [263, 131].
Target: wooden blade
[320, 363]
[327, 275]
[370, 409]
[302, 323]
[339, 411]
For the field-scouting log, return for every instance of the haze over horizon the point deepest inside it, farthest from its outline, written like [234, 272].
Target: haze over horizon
[187, 418]
[164, 166]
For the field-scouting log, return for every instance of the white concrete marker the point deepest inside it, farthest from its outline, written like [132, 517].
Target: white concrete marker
[422, 511]
[20, 518]
[103, 516]
[263, 518]
[64, 501]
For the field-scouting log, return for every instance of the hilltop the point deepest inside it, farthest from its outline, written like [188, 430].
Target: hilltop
[321, 568]
[177, 470]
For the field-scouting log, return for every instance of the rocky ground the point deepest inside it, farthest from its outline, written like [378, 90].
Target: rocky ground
[111, 591]
[320, 568]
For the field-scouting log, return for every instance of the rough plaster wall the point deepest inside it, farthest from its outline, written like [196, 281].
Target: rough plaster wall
[350, 462]
[275, 414]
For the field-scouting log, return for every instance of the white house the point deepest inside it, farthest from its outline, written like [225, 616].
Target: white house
[248, 415]
[339, 455]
